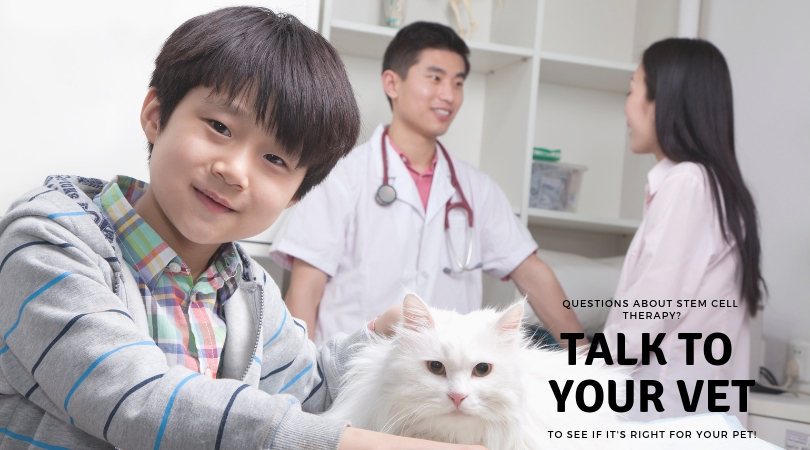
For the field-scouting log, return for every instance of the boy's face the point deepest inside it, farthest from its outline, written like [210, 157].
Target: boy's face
[428, 99]
[215, 175]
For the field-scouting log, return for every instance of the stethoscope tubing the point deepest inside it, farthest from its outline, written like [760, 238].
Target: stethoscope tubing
[386, 195]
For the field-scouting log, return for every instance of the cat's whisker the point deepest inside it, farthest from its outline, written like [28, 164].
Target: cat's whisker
[498, 422]
[408, 418]
[395, 419]
[389, 425]
[419, 414]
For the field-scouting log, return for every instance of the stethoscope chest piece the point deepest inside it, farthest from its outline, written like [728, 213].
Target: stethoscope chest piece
[386, 194]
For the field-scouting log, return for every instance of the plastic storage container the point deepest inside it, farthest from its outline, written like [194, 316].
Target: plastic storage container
[555, 185]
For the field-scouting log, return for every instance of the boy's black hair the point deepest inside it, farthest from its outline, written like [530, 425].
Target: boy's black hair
[406, 47]
[297, 83]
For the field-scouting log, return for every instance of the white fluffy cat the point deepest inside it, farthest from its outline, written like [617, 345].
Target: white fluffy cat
[471, 379]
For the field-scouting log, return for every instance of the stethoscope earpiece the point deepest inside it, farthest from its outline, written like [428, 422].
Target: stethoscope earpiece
[386, 194]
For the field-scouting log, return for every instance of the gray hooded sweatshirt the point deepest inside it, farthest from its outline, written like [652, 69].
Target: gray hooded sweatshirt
[79, 370]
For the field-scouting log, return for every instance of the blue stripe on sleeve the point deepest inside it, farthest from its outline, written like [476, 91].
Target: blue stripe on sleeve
[225, 415]
[66, 214]
[33, 296]
[295, 378]
[290, 402]
[31, 441]
[96, 363]
[124, 397]
[65, 330]
[31, 391]
[43, 192]
[279, 369]
[284, 320]
[29, 244]
[315, 389]
[169, 408]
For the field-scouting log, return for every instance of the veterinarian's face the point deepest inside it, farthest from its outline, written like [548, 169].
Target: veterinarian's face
[640, 114]
[428, 99]
[216, 175]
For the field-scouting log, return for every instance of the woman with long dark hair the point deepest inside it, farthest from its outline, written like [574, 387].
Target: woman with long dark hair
[697, 253]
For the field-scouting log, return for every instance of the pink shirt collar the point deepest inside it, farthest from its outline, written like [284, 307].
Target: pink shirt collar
[422, 180]
[656, 175]
[407, 161]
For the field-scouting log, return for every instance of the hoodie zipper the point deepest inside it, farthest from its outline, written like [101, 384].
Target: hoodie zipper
[258, 333]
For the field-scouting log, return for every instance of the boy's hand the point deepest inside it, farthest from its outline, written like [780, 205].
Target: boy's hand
[359, 439]
[384, 325]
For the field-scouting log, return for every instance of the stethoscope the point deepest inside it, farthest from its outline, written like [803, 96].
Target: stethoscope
[386, 195]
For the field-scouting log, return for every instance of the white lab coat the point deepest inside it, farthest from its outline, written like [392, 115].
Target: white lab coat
[374, 253]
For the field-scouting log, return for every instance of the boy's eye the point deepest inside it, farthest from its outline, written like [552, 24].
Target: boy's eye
[220, 128]
[434, 77]
[274, 159]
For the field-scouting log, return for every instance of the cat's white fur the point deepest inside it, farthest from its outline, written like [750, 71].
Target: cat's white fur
[390, 389]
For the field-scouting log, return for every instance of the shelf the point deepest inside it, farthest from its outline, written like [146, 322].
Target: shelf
[782, 406]
[370, 41]
[584, 72]
[573, 221]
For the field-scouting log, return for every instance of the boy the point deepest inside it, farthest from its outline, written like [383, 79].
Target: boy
[129, 317]
[351, 254]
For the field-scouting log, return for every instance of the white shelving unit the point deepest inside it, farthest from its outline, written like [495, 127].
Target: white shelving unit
[550, 73]
[581, 222]
[370, 41]
[584, 72]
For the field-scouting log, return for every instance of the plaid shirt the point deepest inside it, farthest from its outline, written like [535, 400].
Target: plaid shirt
[186, 318]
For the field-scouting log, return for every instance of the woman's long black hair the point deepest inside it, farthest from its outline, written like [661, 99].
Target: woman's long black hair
[694, 119]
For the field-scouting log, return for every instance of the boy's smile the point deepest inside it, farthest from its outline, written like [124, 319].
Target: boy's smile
[213, 202]
[215, 175]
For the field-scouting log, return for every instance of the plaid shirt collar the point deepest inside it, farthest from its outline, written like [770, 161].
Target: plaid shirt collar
[145, 251]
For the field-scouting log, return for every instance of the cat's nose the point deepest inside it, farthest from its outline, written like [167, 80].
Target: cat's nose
[457, 398]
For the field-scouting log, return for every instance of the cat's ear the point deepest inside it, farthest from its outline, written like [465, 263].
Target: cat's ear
[416, 314]
[509, 323]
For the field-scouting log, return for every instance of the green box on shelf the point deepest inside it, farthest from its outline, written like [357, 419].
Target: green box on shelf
[545, 154]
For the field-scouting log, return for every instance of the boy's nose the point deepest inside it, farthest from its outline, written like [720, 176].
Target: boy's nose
[233, 168]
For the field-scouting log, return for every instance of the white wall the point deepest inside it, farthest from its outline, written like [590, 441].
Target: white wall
[767, 46]
[73, 77]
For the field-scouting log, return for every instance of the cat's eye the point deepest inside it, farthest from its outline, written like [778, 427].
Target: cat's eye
[482, 369]
[435, 367]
